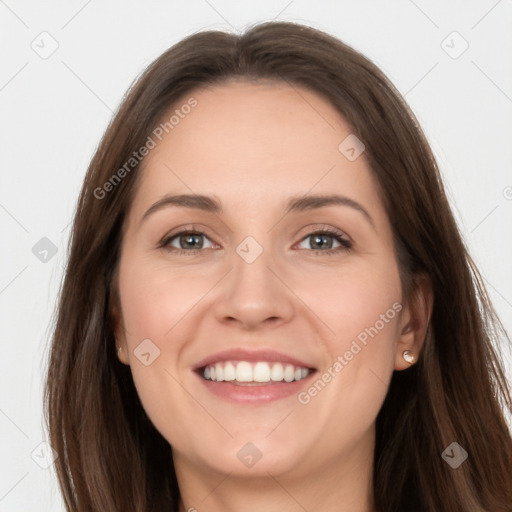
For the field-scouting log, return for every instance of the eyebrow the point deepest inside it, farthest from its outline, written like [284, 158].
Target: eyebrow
[295, 204]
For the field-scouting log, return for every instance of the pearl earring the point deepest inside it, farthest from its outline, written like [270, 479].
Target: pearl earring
[408, 356]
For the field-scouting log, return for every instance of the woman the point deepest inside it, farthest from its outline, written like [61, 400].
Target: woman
[268, 304]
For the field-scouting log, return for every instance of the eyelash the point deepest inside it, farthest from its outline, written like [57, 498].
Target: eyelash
[346, 245]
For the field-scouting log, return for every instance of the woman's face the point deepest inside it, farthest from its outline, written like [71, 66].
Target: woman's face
[288, 262]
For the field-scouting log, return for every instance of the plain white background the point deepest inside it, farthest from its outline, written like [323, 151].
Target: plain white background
[55, 109]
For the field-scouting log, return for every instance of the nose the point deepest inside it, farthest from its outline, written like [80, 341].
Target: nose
[254, 294]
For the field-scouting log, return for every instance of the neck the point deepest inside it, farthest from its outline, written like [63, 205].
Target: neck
[342, 483]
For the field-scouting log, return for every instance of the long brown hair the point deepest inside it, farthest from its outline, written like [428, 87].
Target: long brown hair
[112, 458]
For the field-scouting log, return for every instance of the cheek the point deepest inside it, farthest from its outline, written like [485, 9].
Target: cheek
[154, 306]
[362, 309]
[155, 299]
[158, 306]
[356, 301]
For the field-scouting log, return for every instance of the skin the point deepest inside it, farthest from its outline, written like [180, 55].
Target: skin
[253, 146]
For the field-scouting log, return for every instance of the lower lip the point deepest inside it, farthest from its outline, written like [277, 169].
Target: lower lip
[257, 393]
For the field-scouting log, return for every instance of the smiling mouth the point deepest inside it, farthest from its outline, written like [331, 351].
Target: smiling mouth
[260, 373]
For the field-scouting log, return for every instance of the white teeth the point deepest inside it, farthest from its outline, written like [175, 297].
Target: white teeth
[244, 371]
[289, 373]
[261, 372]
[278, 372]
[229, 372]
[219, 372]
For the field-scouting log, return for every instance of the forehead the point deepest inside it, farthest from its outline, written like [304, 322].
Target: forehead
[253, 141]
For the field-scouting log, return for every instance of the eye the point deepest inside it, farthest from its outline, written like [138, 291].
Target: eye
[327, 241]
[324, 241]
[186, 241]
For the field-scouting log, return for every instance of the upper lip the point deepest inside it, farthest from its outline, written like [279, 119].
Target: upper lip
[243, 354]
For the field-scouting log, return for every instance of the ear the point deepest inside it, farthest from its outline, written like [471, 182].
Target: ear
[116, 320]
[414, 322]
